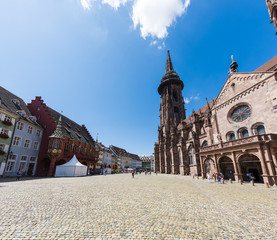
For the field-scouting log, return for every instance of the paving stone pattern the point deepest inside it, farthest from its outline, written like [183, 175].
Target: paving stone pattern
[146, 207]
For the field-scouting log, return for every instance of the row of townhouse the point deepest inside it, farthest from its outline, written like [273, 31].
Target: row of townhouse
[20, 136]
[34, 138]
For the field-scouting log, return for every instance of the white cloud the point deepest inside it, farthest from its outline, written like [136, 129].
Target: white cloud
[188, 100]
[87, 4]
[155, 16]
[153, 43]
[115, 3]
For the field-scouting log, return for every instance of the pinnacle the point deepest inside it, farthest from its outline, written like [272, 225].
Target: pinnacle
[169, 66]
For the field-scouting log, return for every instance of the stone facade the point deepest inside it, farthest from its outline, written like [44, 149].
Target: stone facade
[272, 9]
[234, 134]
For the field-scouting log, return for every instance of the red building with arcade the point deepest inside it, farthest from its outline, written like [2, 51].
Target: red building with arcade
[62, 138]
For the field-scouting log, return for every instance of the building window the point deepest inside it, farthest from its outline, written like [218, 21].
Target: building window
[2, 147]
[175, 98]
[22, 163]
[22, 166]
[176, 109]
[16, 141]
[32, 159]
[75, 148]
[205, 144]
[27, 143]
[190, 154]
[30, 130]
[67, 147]
[261, 130]
[23, 158]
[20, 126]
[38, 133]
[7, 119]
[16, 102]
[10, 166]
[240, 113]
[35, 145]
[230, 136]
[4, 131]
[245, 133]
[12, 157]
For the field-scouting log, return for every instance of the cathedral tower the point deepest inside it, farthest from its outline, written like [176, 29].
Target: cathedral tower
[172, 112]
[272, 9]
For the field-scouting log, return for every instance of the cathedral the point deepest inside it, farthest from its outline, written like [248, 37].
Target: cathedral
[228, 135]
[234, 134]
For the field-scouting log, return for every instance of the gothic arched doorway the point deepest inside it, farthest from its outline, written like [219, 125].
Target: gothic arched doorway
[209, 166]
[251, 168]
[226, 167]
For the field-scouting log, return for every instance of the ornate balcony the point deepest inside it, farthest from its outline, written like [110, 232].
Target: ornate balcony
[241, 141]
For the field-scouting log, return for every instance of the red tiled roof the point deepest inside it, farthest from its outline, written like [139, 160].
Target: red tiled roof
[271, 65]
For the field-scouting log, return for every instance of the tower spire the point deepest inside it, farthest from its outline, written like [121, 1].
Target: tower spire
[169, 66]
[58, 133]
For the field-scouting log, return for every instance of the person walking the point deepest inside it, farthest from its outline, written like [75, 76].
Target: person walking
[209, 177]
[18, 175]
[133, 173]
[222, 178]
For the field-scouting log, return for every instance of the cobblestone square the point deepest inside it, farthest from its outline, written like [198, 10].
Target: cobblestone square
[146, 207]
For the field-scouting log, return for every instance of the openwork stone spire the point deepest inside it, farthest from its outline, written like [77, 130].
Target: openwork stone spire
[169, 66]
[58, 133]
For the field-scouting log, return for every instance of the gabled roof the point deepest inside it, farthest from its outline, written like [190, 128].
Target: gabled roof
[15, 105]
[119, 151]
[147, 158]
[134, 156]
[271, 65]
[200, 111]
[102, 147]
[71, 129]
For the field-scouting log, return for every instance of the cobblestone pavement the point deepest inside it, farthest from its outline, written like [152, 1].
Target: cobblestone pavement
[146, 207]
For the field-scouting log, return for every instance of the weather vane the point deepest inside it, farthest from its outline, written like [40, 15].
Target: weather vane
[232, 57]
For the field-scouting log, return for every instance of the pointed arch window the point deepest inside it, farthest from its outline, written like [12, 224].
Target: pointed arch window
[175, 96]
[190, 154]
[205, 144]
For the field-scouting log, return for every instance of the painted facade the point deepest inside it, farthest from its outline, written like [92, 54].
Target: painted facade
[62, 139]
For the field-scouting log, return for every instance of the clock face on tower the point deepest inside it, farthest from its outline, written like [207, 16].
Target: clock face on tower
[241, 113]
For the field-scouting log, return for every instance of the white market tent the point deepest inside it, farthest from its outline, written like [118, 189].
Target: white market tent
[73, 168]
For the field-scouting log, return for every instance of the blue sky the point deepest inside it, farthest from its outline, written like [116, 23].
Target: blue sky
[101, 61]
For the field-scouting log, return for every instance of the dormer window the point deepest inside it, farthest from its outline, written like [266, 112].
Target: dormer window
[33, 119]
[78, 135]
[21, 113]
[16, 102]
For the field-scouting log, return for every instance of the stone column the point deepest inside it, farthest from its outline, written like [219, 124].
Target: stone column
[264, 167]
[181, 156]
[270, 166]
[216, 163]
[203, 172]
[161, 159]
[238, 174]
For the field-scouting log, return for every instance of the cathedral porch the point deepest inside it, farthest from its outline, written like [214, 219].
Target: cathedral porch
[241, 159]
